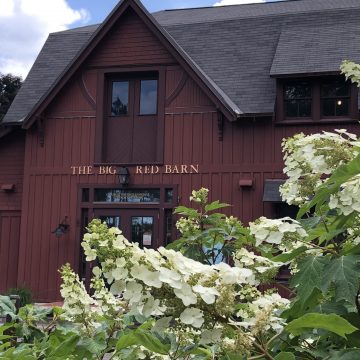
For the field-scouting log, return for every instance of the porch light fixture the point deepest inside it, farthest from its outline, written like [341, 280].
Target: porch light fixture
[123, 175]
[62, 228]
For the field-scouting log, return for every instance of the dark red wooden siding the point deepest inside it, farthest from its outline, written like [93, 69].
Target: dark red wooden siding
[11, 172]
[130, 43]
[249, 150]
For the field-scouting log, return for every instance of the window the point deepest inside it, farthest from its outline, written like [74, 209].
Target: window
[148, 97]
[316, 99]
[298, 99]
[119, 98]
[335, 98]
[130, 120]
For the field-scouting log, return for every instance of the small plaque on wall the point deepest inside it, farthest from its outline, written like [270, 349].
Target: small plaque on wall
[147, 239]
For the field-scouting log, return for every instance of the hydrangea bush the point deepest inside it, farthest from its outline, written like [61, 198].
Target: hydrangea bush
[211, 294]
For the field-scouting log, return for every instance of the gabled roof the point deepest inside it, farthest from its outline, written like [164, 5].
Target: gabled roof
[233, 50]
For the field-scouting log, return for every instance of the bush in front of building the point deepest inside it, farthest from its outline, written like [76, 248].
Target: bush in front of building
[169, 304]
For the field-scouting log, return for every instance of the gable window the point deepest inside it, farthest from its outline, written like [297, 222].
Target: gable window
[316, 99]
[130, 120]
[120, 98]
[148, 97]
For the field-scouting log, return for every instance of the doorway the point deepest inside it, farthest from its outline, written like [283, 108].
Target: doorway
[138, 225]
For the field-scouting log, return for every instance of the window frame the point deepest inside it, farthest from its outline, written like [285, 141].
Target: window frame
[316, 102]
[105, 79]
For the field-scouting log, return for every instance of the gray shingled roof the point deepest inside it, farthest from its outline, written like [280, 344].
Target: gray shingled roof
[238, 47]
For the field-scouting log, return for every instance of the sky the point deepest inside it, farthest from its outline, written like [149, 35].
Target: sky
[25, 24]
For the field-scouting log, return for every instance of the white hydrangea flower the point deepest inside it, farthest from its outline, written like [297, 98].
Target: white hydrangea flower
[133, 292]
[347, 200]
[208, 294]
[193, 317]
[308, 158]
[282, 232]
[186, 294]
[150, 278]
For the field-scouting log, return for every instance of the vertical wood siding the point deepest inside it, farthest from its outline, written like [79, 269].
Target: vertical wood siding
[9, 249]
[11, 172]
[249, 150]
[130, 43]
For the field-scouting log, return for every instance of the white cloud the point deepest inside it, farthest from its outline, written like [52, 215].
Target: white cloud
[25, 25]
[237, 2]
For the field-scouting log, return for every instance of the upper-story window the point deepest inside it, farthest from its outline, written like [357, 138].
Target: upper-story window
[298, 99]
[316, 99]
[335, 98]
[120, 98]
[148, 97]
[131, 119]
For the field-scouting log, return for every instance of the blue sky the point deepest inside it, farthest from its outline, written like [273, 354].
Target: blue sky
[100, 8]
[25, 24]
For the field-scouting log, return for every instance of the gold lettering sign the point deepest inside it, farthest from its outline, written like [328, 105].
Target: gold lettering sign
[140, 169]
[168, 169]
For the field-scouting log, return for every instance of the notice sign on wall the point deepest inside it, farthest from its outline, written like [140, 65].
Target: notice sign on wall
[143, 170]
[147, 239]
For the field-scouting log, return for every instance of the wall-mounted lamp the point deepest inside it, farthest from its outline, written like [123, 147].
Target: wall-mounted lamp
[8, 188]
[123, 175]
[62, 228]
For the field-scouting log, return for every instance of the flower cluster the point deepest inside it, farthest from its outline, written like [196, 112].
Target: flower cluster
[166, 284]
[347, 200]
[260, 315]
[264, 269]
[200, 196]
[187, 227]
[79, 307]
[285, 234]
[309, 158]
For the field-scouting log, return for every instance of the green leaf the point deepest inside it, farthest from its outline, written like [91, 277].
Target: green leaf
[329, 322]
[285, 356]
[344, 274]
[183, 210]
[309, 276]
[144, 338]
[215, 205]
[300, 308]
[353, 339]
[94, 346]
[65, 349]
[289, 256]
[350, 354]
[7, 307]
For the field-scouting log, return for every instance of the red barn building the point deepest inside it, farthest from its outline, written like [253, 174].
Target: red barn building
[178, 100]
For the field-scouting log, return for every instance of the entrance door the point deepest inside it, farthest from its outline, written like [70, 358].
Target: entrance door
[137, 225]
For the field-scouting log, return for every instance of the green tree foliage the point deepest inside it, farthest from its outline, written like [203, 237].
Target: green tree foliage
[9, 86]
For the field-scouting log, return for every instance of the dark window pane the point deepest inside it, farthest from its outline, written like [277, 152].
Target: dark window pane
[291, 108]
[304, 108]
[168, 226]
[111, 221]
[300, 90]
[120, 98]
[169, 194]
[142, 230]
[148, 97]
[328, 107]
[342, 107]
[335, 88]
[128, 196]
[85, 195]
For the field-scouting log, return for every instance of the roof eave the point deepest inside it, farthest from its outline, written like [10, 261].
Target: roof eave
[305, 74]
